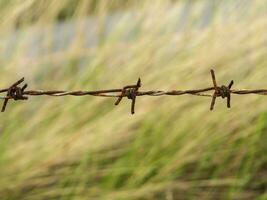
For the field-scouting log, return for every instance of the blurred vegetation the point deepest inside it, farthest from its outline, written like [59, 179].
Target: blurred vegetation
[173, 148]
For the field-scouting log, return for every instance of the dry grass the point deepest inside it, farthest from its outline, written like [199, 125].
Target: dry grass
[86, 149]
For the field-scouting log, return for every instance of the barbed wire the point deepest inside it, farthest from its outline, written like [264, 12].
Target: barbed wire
[15, 92]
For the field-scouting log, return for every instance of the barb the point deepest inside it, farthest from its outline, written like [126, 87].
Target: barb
[223, 91]
[15, 92]
[131, 92]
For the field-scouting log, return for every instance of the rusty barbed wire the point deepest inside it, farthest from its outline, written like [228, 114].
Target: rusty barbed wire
[15, 92]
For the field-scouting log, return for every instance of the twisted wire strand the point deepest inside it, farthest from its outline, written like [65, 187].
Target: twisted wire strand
[16, 92]
[111, 93]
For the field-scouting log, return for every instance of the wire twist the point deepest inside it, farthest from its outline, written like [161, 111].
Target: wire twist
[130, 91]
[16, 92]
[223, 91]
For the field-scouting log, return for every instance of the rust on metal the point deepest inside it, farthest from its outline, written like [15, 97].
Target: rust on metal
[16, 92]
[223, 91]
[130, 91]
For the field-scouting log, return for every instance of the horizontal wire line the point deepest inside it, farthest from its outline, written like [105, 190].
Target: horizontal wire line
[111, 93]
[131, 91]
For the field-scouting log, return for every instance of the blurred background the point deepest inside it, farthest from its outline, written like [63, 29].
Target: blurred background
[173, 148]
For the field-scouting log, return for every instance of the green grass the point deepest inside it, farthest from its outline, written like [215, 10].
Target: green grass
[173, 147]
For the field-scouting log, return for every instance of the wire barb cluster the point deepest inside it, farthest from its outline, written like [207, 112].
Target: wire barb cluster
[223, 91]
[16, 92]
[131, 91]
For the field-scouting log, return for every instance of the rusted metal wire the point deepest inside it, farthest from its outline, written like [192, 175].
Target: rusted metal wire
[15, 92]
